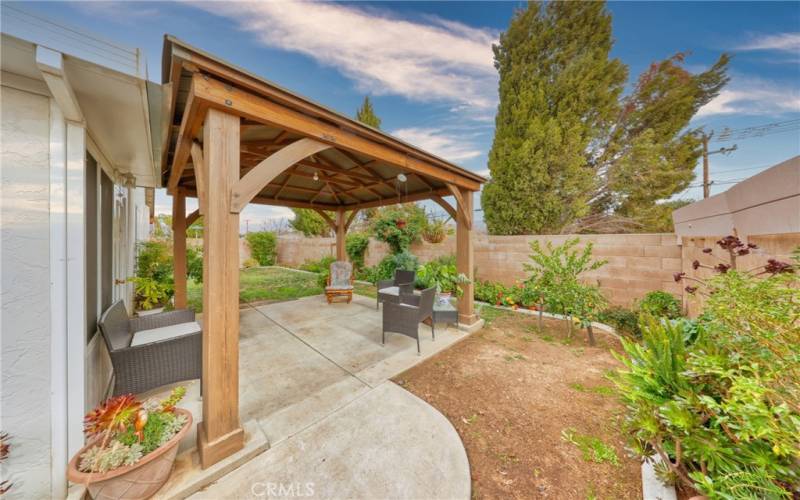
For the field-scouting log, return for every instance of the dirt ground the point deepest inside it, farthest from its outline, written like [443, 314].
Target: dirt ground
[526, 403]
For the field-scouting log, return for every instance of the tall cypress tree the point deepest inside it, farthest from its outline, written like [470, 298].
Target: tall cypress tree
[558, 88]
[569, 153]
[366, 114]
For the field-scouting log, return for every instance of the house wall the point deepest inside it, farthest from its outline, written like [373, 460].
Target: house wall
[637, 263]
[25, 347]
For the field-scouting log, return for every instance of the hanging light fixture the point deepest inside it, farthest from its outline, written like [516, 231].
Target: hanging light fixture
[402, 177]
[316, 175]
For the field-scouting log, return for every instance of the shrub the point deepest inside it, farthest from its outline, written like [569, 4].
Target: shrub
[309, 222]
[660, 304]
[624, 321]
[555, 274]
[442, 274]
[249, 263]
[399, 227]
[153, 282]
[154, 261]
[489, 291]
[434, 232]
[194, 264]
[263, 246]
[719, 398]
[356, 246]
[387, 266]
[318, 266]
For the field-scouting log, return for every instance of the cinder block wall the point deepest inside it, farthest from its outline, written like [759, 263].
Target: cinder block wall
[637, 263]
[777, 246]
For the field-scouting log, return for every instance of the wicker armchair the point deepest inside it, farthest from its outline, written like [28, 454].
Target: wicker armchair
[404, 317]
[160, 356]
[391, 290]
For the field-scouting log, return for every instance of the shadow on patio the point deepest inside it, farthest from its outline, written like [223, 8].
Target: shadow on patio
[314, 389]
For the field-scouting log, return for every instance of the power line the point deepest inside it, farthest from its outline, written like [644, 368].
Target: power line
[728, 134]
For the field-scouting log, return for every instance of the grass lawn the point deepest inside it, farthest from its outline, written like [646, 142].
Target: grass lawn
[271, 284]
[536, 414]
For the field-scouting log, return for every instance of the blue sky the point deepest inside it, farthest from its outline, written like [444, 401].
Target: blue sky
[428, 65]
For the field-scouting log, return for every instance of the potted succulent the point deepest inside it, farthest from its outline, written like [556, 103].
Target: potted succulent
[132, 446]
[151, 296]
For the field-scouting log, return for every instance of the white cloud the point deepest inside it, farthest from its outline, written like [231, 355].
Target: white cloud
[788, 42]
[753, 96]
[437, 141]
[438, 60]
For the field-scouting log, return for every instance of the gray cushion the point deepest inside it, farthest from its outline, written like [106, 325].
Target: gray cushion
[341, 272]
[165, 333]
[390, 290]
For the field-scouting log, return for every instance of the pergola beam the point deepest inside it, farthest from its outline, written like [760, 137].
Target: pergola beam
[218, 95]
[192, 218]
[467, 215]
[200, 174]
[193, 114]
[446, 206]
[327, 218]
[262, 174]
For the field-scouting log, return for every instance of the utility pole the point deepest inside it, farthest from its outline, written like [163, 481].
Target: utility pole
[247, 226]
[706, 153]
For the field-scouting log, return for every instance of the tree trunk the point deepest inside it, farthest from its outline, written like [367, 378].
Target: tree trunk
[541, 314]
[590, 333]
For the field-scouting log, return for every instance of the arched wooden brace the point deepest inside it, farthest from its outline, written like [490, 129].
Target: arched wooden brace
[192, 217]
[256, 179]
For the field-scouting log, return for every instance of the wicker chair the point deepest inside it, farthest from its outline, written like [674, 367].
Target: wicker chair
[159, 355]
[404, 317]
[390, 290]
[340, 281]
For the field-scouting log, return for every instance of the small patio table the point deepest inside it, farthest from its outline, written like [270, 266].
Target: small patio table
[444, 312]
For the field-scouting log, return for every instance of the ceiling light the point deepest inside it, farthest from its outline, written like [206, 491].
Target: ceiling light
[316, 175]
[402, 177]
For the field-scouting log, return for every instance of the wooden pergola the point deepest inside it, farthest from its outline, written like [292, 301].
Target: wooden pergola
[232, 138]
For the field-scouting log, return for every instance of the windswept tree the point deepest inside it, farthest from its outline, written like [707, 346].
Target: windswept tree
[571, 154]
[558, 91]
[366, 114]
[649, 153]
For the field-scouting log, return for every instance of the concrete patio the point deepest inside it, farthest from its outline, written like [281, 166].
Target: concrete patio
[315, 394]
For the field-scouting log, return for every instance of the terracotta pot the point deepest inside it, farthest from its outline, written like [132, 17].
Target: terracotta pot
[131, 482]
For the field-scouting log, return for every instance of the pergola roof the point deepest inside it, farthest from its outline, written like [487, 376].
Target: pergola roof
[351, 165]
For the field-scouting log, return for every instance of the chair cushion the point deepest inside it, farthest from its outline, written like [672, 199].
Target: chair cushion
[390, 290]
[344, 287]
[341, 271]
[165, 333]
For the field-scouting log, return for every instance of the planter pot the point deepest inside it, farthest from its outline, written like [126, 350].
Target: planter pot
[131, 482]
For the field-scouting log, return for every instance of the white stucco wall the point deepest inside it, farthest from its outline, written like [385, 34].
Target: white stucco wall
[24, 303]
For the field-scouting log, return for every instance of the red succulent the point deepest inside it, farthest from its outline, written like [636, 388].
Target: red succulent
[115, 414]
[722, 268]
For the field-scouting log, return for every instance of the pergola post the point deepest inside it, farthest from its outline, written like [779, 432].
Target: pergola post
[179, 246]
[464, 257]
[340, 235]
[220, 433]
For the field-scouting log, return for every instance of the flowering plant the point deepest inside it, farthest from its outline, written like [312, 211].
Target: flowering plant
[129, 429]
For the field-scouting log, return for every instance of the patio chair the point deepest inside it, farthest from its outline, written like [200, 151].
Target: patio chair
[390, 290]
[151, 351]
[404, 317]
[340, 281]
